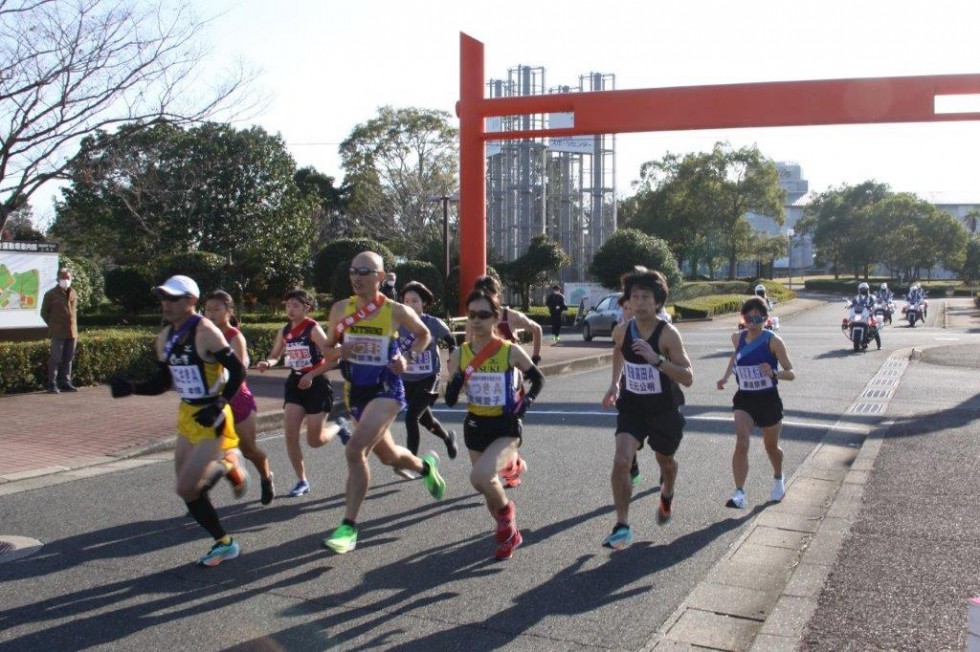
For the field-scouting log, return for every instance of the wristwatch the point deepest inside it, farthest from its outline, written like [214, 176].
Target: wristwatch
[660, 360]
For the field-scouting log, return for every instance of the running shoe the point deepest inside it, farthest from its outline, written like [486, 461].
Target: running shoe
[619, 538]
[343, 539]
[506, 527]
[236, 473]
[433, 481]
[778, 489]
[511, 475]
[664, 509]
[344, 432]
[302, 487]
[506, 549]
[737, 501]
[405, 473]
[452, 445]
[268, 490]
[220, 552]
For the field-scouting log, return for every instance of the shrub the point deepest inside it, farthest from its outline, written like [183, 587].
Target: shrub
[425, 273]
[702, 307]
[87, 281]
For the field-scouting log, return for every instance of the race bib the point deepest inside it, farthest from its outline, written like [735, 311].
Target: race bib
[188, 381]
[486, 389]
[298, 355]
[751, 378]
[642, 378]
[371, 350]
[422, 364]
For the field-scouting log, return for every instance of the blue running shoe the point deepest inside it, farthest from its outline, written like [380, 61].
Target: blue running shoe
[302, 487]
[621, 537]
[344, 432]
[219, 552]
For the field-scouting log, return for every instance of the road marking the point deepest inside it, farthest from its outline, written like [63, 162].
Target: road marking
[947, 339]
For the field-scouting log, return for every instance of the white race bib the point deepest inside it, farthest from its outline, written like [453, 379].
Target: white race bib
[642, 378]
[422, 364]
[188, 381]
[298, 355]
[371, 350]
[751, 379]
[486, 389]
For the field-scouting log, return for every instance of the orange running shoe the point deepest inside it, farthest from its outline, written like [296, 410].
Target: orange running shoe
[235, 472]
[511, 474]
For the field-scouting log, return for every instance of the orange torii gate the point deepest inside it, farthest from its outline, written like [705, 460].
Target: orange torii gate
[772, 104]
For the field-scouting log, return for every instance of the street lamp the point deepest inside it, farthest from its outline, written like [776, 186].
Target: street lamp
[789, 234]
[445, 199]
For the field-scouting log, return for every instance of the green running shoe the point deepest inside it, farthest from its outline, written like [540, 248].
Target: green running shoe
[433, 481]
[343, 539]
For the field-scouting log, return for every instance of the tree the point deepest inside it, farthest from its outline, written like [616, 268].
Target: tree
[393, 163]
[333, 264]
[537, 266]
[628, 248]
[428, 275]
[970, 271]
[71, 67]
[330, 216]
[20, 225]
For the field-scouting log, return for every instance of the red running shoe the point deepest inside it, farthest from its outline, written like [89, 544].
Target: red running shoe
[506, 549]
[506, 526]
[511, 475]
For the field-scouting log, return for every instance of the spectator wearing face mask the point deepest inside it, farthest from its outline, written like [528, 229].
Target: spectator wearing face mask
[59, 311]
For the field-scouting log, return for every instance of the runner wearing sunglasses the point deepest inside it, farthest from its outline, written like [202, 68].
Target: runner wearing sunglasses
[363, 333]
[759, 362]
[486, 367]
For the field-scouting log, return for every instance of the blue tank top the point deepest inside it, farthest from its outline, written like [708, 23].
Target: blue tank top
[427, 364]
[748, 357]
[301, 351]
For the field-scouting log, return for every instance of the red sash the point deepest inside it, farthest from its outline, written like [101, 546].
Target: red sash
[363, 313]
[481, 357]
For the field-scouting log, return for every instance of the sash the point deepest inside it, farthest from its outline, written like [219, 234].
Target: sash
[481, 357]
[178, 334]
[763, 338]
[363, 313]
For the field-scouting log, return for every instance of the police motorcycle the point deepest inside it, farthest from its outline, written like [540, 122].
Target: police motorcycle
[772, 321]
[916, 306]
[860, 325]
[884, 305]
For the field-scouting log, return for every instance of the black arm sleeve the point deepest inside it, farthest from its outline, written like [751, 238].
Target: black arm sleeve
[537, 382]
[236, 372]
[158, 383]
[453, 389]
[450, 341]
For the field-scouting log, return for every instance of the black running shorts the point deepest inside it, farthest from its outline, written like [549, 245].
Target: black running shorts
[480, 432]
[765, 408]
[318, 398]
[664, 430]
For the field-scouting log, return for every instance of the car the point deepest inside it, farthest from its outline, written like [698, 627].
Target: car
[602, 318]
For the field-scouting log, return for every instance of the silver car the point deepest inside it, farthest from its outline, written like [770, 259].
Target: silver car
[602, 318]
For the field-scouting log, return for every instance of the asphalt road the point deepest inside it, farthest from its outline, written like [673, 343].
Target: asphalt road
[117, 568]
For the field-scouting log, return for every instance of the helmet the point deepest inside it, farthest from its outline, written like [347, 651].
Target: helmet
[884, 286]
[760, 290]
[863, 288]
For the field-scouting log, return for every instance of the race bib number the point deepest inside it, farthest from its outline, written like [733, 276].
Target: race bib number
[642, 378]
[422, 364]
[752, 379]
[486, 389]
[188, 381]
[298, 355]
[371, 350]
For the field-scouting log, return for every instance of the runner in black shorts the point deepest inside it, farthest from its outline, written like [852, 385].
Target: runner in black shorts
[308, 395]
[648, 359]
[759, 362]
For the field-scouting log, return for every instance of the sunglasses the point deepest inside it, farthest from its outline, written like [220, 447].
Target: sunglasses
[481, 314]
[170, 299]
[362, 271]
[755, 319]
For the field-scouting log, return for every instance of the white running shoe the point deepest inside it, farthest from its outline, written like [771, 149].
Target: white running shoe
[737, 500]
[778, 489]
[405, 473]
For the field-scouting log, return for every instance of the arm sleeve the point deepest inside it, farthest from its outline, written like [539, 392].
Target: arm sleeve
[453, 388]
[158, 383]
[536, 378]
[236, 372]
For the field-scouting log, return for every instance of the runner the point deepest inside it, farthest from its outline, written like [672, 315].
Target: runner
[193, 357]
[421, 376]
[485, 366]
[648, 361]
[365, 327]
[308, 394]
[759, 362]
[511, 321]
[219, 307]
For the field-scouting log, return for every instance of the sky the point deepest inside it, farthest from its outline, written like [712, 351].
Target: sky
[327, 65]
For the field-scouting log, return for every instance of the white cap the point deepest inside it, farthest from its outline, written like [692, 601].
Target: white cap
[179, 286]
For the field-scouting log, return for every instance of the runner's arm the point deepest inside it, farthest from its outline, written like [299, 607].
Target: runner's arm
[158, 383]
[617, 365]
[455, 384]
[519, 359]
[273, 358]
[210, 339]
[407, 317]
[320, 339]
[778, 348]
[520, 320]
[677, 366]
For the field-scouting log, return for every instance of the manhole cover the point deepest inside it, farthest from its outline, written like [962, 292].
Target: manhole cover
[12, 547]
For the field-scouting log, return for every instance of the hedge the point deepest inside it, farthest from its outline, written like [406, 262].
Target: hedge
[100, 355]
[848, 287]
[703, 307]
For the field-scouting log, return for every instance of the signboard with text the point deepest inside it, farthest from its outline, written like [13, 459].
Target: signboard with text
[27, 271]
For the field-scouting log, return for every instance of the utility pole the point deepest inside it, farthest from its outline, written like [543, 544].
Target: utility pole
[446, 264]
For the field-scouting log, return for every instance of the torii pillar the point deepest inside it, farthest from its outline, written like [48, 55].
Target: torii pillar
[771, 104]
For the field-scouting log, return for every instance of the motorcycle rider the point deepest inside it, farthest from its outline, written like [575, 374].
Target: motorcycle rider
[866, 301]
[760, 291]
[884, 296]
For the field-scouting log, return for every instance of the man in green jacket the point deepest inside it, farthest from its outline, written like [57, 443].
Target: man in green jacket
[59, 312]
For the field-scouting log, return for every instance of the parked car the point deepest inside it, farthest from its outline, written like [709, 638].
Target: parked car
[602, 318]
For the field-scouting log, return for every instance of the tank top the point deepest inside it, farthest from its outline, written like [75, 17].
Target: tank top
[492, 390]
[748, 357]
[643, 386]
[427, 363]
[503, 328]
[302, 353]
[195, 380]
[375, 344]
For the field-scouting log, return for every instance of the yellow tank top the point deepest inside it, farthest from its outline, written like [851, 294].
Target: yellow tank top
[492, 389]
[374, 340]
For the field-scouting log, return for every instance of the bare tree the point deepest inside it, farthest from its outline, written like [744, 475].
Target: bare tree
[70, 67]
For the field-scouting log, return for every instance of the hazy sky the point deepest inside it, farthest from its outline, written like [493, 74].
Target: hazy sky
[328, 64]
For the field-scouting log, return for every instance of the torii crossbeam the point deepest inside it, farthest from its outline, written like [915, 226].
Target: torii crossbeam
[771, 104]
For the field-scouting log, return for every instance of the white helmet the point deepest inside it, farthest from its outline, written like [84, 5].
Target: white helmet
[760, 290]
[884, 286]
[863, 288]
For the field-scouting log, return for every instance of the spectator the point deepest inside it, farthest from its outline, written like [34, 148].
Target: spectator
[388, 287]
[556, 306]
[59, 311]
